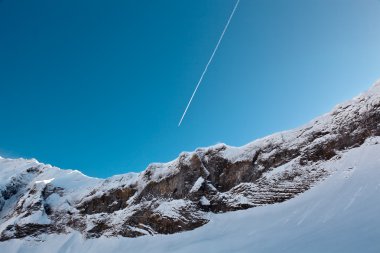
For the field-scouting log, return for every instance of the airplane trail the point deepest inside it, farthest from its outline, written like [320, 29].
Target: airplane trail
[209, 61]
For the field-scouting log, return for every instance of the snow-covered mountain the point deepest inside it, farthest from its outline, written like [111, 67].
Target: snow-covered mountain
[327, 173]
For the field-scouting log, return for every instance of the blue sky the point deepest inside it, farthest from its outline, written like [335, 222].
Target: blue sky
[100, 86]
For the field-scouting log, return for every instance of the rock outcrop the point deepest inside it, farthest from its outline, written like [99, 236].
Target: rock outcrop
[177, 196]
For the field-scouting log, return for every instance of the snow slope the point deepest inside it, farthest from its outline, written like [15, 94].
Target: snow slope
[311, 189]
[340, 214]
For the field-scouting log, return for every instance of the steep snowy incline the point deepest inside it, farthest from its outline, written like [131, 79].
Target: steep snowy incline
[29, 188]
[341, 214]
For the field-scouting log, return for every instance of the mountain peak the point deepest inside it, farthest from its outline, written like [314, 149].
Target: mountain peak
[375, 89]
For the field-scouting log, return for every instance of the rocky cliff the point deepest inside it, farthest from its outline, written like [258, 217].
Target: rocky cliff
[177, 196]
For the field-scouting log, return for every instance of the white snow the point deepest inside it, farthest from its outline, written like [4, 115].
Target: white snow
[38, 217]
[204, 201]
[11, 167]
[279, 170]
[341, 214]
[197, 184]
[46, 181]
[170, 209]
[162, 170]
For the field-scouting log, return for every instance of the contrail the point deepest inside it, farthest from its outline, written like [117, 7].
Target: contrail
[210, 60]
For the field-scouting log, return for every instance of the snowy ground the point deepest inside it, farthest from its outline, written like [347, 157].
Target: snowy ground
[341, 214]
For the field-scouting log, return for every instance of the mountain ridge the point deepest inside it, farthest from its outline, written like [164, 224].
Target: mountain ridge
[179, 195]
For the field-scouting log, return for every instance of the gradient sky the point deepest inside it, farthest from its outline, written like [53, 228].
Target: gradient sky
[100, 86]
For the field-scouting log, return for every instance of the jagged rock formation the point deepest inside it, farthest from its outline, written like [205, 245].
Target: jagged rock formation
[177, 196]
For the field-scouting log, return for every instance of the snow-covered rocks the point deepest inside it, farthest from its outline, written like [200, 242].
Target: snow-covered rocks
[38, 199]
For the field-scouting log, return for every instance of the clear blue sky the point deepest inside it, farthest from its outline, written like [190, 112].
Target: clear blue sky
[100, 86]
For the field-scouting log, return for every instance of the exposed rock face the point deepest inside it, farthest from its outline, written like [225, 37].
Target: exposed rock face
[177, 196]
